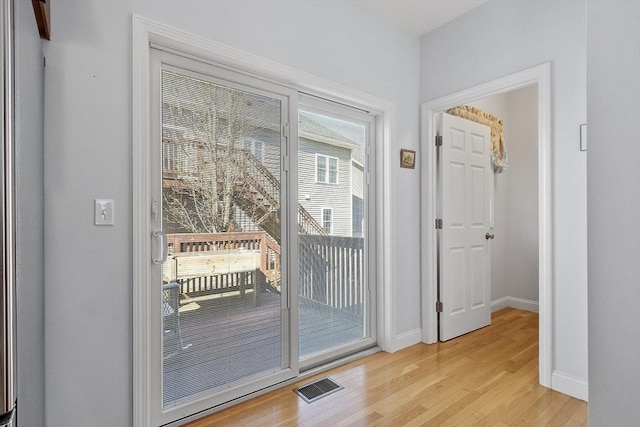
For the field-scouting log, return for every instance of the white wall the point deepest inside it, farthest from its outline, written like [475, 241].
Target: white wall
[613, 108]
[514, 251]
[503, 37]
[88, 150]
[29, 119]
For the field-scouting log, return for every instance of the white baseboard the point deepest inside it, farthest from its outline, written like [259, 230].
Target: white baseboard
[572, 386]
[407, 339]
[519, 303]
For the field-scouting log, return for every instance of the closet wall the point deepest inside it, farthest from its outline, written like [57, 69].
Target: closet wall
[514, 251]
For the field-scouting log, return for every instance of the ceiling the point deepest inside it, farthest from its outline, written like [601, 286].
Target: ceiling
[421, 16]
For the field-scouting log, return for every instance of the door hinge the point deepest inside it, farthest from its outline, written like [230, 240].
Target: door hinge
[438, 224]
[439, 307]
[438, 140]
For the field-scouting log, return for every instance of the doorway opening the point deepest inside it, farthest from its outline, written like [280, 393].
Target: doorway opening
[539, 77]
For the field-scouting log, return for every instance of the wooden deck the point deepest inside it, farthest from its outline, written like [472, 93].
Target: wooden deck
[231, 338]
[486, 378]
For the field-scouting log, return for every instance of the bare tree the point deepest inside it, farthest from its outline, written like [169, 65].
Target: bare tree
[204, 178]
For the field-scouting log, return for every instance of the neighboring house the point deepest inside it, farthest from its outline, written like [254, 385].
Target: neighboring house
[330, 164]
[330, 183]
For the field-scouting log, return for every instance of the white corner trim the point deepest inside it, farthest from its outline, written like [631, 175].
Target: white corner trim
[386, 231]
[142, 376]
[407, 339]
[570, 385]
[513, 302]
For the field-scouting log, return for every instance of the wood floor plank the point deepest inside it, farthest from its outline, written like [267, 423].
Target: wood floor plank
[486, 378]
[564, 415]
[579, 417]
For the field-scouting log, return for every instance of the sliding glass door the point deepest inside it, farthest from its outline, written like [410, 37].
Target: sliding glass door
[336, 302]
[258, 222]
[219, 283]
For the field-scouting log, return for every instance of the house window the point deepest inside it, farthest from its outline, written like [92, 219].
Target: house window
[327, 220]
[326, 169]
[255, 147]
[178, 156]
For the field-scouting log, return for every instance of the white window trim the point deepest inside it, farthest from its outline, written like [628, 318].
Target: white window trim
[327, 181]
[322, 211]
[144, 33]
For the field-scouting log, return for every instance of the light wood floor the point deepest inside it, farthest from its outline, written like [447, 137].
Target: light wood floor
[485, 378]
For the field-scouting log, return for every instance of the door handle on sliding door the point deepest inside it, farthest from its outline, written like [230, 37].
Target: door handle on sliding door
[158, 248]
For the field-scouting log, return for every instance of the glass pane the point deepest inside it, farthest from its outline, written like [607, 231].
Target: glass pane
[332, 293]
[221, 302]
[322, 168]
[326, 220]
[333, 171]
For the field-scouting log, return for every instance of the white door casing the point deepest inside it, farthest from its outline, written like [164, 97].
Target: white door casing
[540, 76]
[465, 267]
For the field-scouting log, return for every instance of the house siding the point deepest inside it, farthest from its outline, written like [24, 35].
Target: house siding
[335, 196]
[270, 150]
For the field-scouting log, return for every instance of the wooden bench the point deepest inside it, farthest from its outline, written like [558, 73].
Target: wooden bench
[214, 272]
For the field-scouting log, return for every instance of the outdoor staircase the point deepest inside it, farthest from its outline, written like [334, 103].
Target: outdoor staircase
[256, 191]
[258, 196]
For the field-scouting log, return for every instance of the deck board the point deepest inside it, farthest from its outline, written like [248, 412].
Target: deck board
[231, 338]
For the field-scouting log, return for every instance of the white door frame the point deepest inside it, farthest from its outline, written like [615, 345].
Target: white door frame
[540, 76]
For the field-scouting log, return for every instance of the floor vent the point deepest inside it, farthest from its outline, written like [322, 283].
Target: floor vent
[318, 389]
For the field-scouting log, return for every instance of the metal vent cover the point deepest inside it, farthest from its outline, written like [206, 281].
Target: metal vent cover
[318, 389]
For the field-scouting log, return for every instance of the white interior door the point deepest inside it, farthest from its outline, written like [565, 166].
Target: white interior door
[465, 267]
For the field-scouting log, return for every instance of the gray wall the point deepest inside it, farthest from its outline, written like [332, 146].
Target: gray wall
[29, 118]
[613, 109]
[522, 200]
[88, 309]
[500, 38]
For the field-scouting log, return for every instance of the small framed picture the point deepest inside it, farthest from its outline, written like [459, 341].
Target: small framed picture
[407, 159]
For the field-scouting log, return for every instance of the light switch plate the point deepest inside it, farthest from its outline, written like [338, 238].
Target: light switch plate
[103, 211]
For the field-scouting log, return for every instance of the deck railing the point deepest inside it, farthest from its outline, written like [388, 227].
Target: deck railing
[331, 271]
[331, 268]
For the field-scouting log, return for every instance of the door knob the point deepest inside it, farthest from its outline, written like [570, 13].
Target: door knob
[489, 236]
